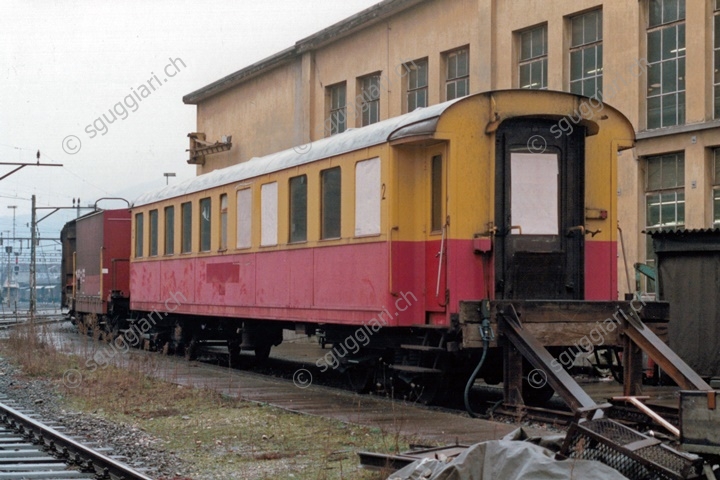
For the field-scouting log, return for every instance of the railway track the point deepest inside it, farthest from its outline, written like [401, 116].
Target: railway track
[30, 449]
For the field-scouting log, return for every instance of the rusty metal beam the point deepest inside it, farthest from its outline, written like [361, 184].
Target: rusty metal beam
[668, 360]
[538, 356]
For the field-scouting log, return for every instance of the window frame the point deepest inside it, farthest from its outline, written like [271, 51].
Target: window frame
[269, 220]
[244, 218]
[716, 60]
[437, 220]
[337, 108]
[369, 87]
[325, 209]
[223, 224]
[153, 224]
[582, 48]
[205, 224]
[457, 79]
[414, 88]
[139, 235]
[655, 94]
[186, 227]
[298, 214]
[532, 60]
[716, 185]
[169, 230]
[677, 189]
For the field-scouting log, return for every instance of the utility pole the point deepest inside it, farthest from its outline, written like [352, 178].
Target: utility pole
[33, 238]
[14, 207]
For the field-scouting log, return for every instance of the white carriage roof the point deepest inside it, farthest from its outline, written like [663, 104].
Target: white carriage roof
[348, 141]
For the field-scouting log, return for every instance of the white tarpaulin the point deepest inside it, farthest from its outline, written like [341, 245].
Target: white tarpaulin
[506, 460]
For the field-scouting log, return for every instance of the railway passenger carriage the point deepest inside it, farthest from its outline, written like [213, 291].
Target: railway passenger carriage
[505, 195]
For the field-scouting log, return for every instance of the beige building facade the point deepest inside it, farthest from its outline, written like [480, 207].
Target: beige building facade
[657, 61]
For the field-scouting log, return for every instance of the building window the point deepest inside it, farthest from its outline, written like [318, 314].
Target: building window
[330, 207]
[186, 226]
[244, 218]
[223, 221]
[716, 70]
[532, 64]
[666, 64]
[586, 54]
[337, 116]
[139, 234]
[205, 224]
[153, 233]
[436, 196]
[417, 84]
[716, 186]
[367, 197]
[370, 99]
[269, 214]
[664, 197]
[298, 209]
[457, 83]
[169, 230]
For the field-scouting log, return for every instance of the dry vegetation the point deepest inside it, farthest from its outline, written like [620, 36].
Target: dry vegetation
[220, 437]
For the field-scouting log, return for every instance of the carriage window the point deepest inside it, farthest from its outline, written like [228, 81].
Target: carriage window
[534, 193]
[244, 218]
[330, 208]
[169, 230]
[139, 234]
[186, 224]
[298, 209]
[367, 197]
[223, 221]
[205, 223]
[437, 220]
[269, 214]
[153, 233]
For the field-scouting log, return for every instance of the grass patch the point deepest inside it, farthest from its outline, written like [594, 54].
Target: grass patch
[220, 437]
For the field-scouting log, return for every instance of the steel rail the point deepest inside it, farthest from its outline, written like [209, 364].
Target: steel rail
[67, 448]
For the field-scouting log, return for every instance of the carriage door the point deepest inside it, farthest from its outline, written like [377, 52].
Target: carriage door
[539, 211]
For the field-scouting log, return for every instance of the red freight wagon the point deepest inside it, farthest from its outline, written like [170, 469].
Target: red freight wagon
[101, 260]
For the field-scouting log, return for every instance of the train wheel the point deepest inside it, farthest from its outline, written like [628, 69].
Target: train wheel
[262, 351]
[191, 349]
[426, 390]
[536, 396]
[234, 356]
[360, 378]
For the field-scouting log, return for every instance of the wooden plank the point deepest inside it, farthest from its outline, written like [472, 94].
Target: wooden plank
[563, 311]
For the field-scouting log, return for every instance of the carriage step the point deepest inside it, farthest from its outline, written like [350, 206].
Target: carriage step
[422, 348]
[414, 369]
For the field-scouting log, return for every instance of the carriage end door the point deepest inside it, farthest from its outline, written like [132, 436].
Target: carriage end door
[539, 212]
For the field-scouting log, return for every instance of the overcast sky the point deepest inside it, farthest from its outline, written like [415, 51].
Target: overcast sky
[63, 64]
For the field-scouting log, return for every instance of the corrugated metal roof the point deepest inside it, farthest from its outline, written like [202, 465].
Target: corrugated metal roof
[682, 231]
[348, 141]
